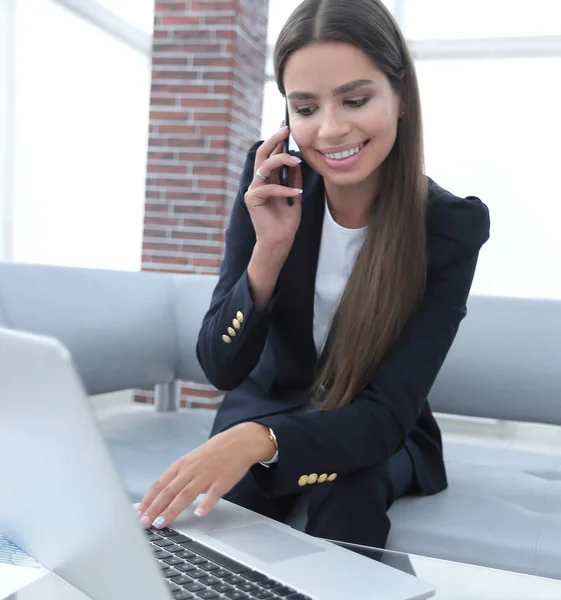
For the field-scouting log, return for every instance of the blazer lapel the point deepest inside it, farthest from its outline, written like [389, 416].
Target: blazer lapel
[301, 265]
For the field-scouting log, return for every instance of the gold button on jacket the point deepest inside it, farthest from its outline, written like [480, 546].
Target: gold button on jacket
[236, 324]
[226, 339]
[239, 316]
[312, 478]
[232, 331]
[303, 481]
[322, 478]
[332, 477]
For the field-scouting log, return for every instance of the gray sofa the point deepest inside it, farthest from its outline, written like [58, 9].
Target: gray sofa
[128, 330]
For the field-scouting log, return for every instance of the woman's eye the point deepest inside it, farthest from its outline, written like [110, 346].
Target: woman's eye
[357, 102]
[305, 111]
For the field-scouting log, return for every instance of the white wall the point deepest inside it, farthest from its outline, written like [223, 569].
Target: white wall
[82, 131]
[492, 129]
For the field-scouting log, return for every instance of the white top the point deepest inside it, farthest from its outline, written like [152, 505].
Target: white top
[338, 252]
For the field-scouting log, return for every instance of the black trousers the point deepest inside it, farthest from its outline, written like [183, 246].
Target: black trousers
[353, 508]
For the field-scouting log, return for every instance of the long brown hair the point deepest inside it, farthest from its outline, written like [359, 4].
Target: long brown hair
[388, 278]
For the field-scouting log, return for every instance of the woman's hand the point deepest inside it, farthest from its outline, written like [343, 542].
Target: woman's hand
[212, 469]
[274, 221]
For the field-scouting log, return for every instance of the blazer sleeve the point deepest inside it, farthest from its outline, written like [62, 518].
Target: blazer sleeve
[379, 419]
[233, 332]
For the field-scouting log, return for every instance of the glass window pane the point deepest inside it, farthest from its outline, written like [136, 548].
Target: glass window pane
[81, 141]
[457, 19]
[139, 13]
[279, 11]
[492, 130]
[273, 109]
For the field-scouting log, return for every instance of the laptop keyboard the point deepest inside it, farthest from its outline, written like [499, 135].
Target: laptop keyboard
[196, 572]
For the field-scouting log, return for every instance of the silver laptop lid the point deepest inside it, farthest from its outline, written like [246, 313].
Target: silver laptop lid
[67, 507]
[98, 549]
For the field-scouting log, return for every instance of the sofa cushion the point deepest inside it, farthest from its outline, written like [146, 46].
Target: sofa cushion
[502, 509]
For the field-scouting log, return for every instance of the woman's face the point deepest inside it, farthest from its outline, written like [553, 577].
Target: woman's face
[343, 111]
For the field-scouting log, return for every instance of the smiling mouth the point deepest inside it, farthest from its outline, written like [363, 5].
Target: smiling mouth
[345, 153]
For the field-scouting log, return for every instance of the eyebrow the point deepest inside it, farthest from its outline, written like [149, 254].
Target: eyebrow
[343, 89]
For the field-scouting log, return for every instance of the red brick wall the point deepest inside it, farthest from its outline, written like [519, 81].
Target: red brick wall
[208, 73]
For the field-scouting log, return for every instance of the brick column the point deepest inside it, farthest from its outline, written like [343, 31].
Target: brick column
[208, 74]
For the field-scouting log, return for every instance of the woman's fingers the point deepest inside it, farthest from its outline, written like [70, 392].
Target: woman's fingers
[278, 149]
[174, 504]
[268, 172]
[211, 498]
[269, 146]
[269, 166]
[163, 481]
[296, 178]
[261, 195]
[153, 513]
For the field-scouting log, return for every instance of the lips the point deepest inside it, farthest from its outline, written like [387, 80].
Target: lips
[345, 151]
[344, 158]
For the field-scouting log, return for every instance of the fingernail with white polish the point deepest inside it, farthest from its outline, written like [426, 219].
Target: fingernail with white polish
[283, 129]
[200, 512]
[145, 521]
[158, 522]
[296, 159]
[139, 513]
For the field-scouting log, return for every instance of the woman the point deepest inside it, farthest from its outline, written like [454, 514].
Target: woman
[333, 314]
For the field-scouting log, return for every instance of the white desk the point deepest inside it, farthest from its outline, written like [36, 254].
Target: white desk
[17, 569]
[22, 578]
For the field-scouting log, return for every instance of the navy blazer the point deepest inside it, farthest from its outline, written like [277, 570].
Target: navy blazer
[270, 363]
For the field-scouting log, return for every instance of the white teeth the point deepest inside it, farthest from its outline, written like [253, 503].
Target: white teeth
[344, 154]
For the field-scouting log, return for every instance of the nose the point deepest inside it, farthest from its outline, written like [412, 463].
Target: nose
[334, 127]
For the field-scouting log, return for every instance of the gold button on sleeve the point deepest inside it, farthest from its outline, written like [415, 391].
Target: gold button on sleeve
[232, 331]
[239, 316]
[236, 324]
[303, 481]
[312, 478]
[332, 477]
[322, 478]
[226, 339]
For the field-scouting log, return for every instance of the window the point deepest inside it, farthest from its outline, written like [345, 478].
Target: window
[139, 13]
[491, 130]
[465, 19]
[81, 141]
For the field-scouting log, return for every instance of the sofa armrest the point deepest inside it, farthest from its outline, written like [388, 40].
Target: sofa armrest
[504, 363]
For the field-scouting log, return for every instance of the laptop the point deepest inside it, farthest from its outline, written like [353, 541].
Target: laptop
[62, 502]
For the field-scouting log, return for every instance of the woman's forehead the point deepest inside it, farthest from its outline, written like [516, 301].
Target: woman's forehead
[327, 66]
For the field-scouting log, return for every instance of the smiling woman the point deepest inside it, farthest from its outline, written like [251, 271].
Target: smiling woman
[335, 157]
[349, 91]
[332, 314]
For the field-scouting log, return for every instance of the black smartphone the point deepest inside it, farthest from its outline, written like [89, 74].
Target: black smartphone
[284, 170]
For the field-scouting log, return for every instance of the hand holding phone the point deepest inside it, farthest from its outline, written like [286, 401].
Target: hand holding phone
[275, 219]
[284, 171]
